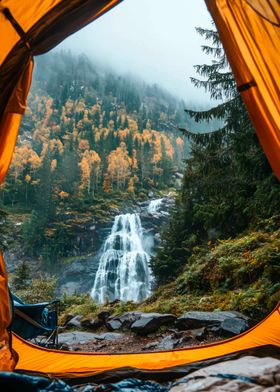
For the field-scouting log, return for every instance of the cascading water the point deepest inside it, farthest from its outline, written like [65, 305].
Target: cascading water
[154, 206]
[123, 271]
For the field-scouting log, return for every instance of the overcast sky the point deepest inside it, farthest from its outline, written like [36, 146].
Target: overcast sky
[154, 39]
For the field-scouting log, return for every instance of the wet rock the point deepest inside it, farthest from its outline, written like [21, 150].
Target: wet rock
[90, 323]
[109, 336]
[193, 320]
[113, 325]
[167, 343]
[128, 318]
[233, 326]
[215, 330]
[123, 321]
[151, 322]
[103, 316]
[244, 374]
[75, 322]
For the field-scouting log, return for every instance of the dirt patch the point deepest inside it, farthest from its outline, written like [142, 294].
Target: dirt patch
[134, 343]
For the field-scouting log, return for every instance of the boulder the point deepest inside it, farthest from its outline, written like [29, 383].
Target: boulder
[113, 324]
[75, 322]
[151, 322]
[103, 316]
[123, 321]
[193, 320]
[90, 323]
[233, 326]
[248, 373]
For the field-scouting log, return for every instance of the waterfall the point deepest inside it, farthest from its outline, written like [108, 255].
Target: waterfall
[154, 206]
[123, 271]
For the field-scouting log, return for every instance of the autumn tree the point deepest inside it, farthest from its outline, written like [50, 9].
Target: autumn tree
[119, 167]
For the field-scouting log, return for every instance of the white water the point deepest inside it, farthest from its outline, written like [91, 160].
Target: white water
[123, 271]
[154, 206]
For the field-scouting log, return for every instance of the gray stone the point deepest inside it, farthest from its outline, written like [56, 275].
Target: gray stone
[192, 320]
[109, 336]
[113, 325]
[123, 321]
[167, 343]
[250, 374]
[185, 336]
[75, 337]
[150, 322]
[233, 326]
[78, 337]
[91, 323]
[75, 322]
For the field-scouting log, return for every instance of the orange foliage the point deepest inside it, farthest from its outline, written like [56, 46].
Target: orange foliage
[24, 157]
[84, 145]
[119, 166]
[63, 195]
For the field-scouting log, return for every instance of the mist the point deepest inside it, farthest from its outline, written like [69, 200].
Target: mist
[152, 39]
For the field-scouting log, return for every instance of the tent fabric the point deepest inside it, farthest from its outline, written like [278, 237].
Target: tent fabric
[65, 364]
[250, 33]
[7, 360]
[249, 30]
[28, 28]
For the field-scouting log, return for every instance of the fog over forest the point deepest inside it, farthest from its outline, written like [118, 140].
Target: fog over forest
[155, 40]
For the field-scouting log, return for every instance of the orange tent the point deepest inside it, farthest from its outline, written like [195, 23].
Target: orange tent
[67, 364]
[249, 30]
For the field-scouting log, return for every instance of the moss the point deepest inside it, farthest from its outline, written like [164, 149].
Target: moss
[239, 274]
[73, 259]
[77, 304]
[39, 289]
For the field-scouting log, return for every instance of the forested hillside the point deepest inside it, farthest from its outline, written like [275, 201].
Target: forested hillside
[90, 132]
[88, 135]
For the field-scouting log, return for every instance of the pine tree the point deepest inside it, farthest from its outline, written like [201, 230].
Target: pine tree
[228, 184]
[21, 277]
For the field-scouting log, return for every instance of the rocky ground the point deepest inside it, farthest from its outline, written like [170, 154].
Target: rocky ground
[138, 331]
[256, 370]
